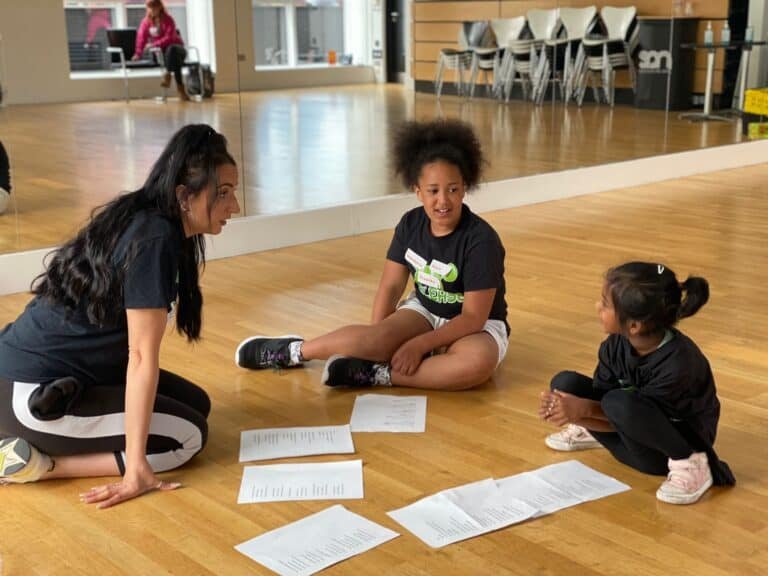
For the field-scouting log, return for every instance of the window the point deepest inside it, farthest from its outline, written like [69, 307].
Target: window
[87, 23]
[319, 30]
[291, 32]
[270, 43]
[87, 34]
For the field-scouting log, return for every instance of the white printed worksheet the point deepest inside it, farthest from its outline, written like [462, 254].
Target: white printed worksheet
[310, 481]
[315, 542]
[473, 509]
[462, 512]
[384, 413]
[270, 443]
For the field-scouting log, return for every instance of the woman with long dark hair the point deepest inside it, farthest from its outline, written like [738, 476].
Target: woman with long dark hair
[81, 390]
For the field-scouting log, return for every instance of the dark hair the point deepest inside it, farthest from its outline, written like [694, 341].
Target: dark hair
[650, 294]
[82, 270]
[453, 141]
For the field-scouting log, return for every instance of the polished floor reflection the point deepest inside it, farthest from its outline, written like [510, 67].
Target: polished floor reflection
[557, 253]
[301, 149]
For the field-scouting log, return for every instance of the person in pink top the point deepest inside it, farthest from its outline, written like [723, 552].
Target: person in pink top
[158, 30]
[98, 21]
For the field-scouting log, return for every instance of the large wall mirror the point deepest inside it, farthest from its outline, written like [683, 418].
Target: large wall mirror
[308, 91]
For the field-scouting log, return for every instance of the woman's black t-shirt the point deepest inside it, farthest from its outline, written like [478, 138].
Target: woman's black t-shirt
[48, 341]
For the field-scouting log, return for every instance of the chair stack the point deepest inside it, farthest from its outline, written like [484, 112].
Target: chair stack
[558, 57]
[570, 47]
[603, 54]
[472, 35]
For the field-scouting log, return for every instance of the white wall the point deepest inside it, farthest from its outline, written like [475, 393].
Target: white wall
[37, 63]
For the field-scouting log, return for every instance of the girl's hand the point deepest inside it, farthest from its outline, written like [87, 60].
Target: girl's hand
[560, 408]
[546, 404]
[137, 481]
[407, 359]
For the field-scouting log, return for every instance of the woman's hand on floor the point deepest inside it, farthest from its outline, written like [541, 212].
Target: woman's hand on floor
[136, 482]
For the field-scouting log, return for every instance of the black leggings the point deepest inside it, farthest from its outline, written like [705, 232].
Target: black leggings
[644, 436]
[174, 56]
[95, 422]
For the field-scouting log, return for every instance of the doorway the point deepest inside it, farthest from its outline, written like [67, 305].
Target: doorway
[395, 18]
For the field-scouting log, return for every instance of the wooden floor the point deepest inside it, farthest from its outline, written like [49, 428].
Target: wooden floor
[301, 148]
[713, 225]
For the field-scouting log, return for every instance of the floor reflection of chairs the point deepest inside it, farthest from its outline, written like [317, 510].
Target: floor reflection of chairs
[603, 55]
[471, 35]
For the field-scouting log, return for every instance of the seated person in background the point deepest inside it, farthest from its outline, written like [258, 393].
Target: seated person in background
[652, 401]
[456, 261]
[5, 179]
[158, 30]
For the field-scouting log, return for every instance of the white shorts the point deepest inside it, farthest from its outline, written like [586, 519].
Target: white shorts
[496, 328]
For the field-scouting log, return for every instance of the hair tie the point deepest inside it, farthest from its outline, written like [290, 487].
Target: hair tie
[660, 268]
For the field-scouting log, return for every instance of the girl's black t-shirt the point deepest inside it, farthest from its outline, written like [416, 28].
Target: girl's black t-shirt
[445, 267]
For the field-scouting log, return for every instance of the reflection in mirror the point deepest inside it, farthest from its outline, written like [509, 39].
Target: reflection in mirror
[616, 83]
[85, 122]
[302, 84]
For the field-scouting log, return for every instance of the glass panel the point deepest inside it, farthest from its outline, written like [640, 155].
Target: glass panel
[319, 32]
[270, 44]
[87, 37]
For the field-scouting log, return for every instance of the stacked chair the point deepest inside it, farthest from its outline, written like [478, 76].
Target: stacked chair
[496, 58]
[602, 55]
[558, 57]
[472, 35]
[524, 52]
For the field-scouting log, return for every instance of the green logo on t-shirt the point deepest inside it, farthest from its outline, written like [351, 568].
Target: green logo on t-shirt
[429, 278]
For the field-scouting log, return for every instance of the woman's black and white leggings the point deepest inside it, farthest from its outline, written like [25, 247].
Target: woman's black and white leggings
[644, 436]
[95, 423]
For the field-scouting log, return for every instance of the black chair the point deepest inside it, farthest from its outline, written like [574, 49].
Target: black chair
[124, 40]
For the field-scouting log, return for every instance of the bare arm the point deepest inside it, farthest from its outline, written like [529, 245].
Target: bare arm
[474, 314]
[145, 332]
[391, 286]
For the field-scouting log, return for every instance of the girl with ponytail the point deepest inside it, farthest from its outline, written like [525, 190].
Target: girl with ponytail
[81, 390]
[652, 400]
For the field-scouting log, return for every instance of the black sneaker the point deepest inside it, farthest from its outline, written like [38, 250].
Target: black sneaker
[345, 371]
[259, 352]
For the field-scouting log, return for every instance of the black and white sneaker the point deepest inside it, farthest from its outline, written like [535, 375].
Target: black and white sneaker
[20, 462]
[345, 371]
[258, 352]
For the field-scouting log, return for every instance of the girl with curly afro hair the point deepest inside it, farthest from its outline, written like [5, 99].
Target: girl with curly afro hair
[450, 332]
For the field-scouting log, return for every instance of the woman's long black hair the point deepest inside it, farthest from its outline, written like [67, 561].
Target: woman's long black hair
[83, 271]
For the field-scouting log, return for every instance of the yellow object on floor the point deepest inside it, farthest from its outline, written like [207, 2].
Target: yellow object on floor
[757, 130]
[756, 101]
